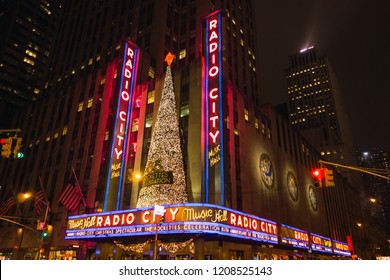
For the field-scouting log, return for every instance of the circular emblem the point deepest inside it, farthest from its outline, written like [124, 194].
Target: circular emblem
[292, 186]
[313, 198]
[266, 171]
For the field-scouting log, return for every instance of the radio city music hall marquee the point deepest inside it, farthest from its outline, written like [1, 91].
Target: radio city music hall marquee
[180, 218]
[198, 218]
[119, 148]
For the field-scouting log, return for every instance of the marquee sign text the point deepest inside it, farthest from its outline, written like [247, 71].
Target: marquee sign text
[190, 217]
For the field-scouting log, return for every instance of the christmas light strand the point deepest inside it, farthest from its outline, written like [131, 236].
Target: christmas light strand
[165, 153]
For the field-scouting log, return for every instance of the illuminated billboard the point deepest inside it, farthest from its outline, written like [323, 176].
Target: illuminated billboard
[320, 243]
[213, 110]
[294, 237]
[341, 248]
[120, 139]
[180, 218]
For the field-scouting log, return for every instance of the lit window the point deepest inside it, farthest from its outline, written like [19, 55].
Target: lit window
[151, 97]
[90, 61]
[135, 124]
[246, 114]
[107, 135]
[185, 110]
[90, 102]
[30, 53]
[242, 42]
[36, 91]
[149, 120]
[269, 133]
[151, 72]
[256, 123]
[263, 128]
[29, 61]
[47, 138]
[183, 54]
[80, 107]
[103, 80]
[65, 130]
[236, 131]
[98, 58]
[56, 135]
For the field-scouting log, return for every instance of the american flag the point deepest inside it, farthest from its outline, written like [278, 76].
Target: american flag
[40, 202]
[71, 196]
[6, 206]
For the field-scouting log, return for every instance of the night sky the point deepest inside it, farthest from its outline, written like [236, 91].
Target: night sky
[355, 35]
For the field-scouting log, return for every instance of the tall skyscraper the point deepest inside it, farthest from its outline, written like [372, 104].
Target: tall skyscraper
[28, 30]
[378, 189]
[244, 166]
[316, 106]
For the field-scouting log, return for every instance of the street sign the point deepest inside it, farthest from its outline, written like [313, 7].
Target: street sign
[159, 210]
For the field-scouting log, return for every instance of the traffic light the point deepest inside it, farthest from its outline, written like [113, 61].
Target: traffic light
[45, 233]
[329, 178]
[318, 175]
[6, 147]
[18, 145]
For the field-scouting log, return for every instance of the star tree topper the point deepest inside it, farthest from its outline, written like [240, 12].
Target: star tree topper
[169, 58]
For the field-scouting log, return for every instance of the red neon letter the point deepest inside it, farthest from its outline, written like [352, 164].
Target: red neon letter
[213, 47]
[213, 71]
[125, 96]
[214, 136]
[212, 95]
[213, 24]
[130, 52]
[122, 115]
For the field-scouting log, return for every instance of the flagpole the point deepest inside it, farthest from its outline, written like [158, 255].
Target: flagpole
[46, 202]
[18, 220]
[78, 185]
[43, 190]
[83, 244]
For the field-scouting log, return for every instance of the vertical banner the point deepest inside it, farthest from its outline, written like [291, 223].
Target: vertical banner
[213, 163]
[119, 145]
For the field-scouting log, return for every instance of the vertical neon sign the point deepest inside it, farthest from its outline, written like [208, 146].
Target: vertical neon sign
[119, 147]
[213, 113]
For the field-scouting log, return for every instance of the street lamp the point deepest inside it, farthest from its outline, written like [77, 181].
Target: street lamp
[138, 176]
[22, 197]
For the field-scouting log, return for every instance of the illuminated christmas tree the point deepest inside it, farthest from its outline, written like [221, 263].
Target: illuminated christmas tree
[165, 153]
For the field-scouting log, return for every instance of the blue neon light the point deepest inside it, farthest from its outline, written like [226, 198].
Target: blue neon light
[221, 111]
[115, 129]
[129, 105]
[125, 147]
[219, 228]
[207, 119]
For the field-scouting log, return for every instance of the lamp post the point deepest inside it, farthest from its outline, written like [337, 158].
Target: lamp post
[23, 197]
